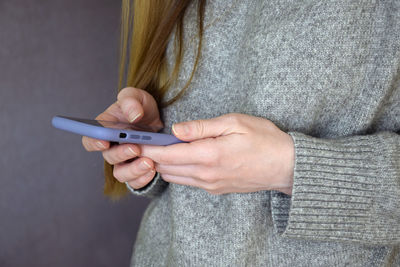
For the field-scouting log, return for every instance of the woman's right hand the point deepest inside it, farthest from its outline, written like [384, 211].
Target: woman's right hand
[133, 105]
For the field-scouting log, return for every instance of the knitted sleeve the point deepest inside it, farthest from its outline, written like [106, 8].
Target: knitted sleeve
[155, 188]
[345, 189]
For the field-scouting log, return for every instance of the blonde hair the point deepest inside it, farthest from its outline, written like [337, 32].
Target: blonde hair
[146, 27]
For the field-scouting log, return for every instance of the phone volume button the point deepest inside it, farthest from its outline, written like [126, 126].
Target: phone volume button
[146, 137]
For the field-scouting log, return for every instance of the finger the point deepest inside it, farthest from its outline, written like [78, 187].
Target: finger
[120, 153]
[131, 108]
[91, 144]
[177, 170]
[200, 129]
[184, 180]
[138, 105]
[127, 171]
[199, 172]
[199, 152]
[142, 180]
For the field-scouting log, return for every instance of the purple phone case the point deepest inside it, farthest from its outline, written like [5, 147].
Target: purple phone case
[112, 134]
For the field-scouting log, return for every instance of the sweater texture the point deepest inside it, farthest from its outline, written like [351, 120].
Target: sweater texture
[327, 73]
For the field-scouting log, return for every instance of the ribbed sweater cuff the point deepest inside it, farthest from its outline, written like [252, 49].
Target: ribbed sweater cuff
[151, 190]
[335, 185]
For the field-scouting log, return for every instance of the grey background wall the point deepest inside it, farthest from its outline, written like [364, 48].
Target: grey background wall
[58, 57]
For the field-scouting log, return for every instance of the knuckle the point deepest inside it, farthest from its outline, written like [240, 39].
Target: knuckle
[116, 158]
[211, 156]
[199, 127]
[211, 187]
[123, 102]
[208, 177]
[148, 177]
[234, 118]
[117, 175]
[132, 170]
[124, 92]
[120, 154]
[107, 158]
[112, 156]
[214, 157]
[142, 181]
[202, 176]
[212, 179]
[165, 159]
[159, 167]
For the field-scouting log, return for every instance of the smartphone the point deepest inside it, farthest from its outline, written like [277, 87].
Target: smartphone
[114, 131]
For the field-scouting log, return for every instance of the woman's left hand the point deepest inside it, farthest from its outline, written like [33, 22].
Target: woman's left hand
[232, 153]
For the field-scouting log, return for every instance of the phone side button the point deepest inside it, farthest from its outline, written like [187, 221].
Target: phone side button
[145, 137]
[134, 136]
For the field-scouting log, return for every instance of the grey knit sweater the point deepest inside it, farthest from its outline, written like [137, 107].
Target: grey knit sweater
[326, 72]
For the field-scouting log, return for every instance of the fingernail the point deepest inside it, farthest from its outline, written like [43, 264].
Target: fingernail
[133, 117]
[130, 152]
[100, 145]
[180, 129]
[145, 166]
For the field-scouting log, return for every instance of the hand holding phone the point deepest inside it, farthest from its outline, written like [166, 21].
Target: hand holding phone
[132, 106]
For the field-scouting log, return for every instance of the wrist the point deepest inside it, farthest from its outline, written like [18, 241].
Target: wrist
[288, 166]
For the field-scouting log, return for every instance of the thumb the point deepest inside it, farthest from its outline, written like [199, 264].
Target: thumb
[200, 129]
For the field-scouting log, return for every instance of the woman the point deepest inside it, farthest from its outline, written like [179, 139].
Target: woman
[291, 112]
